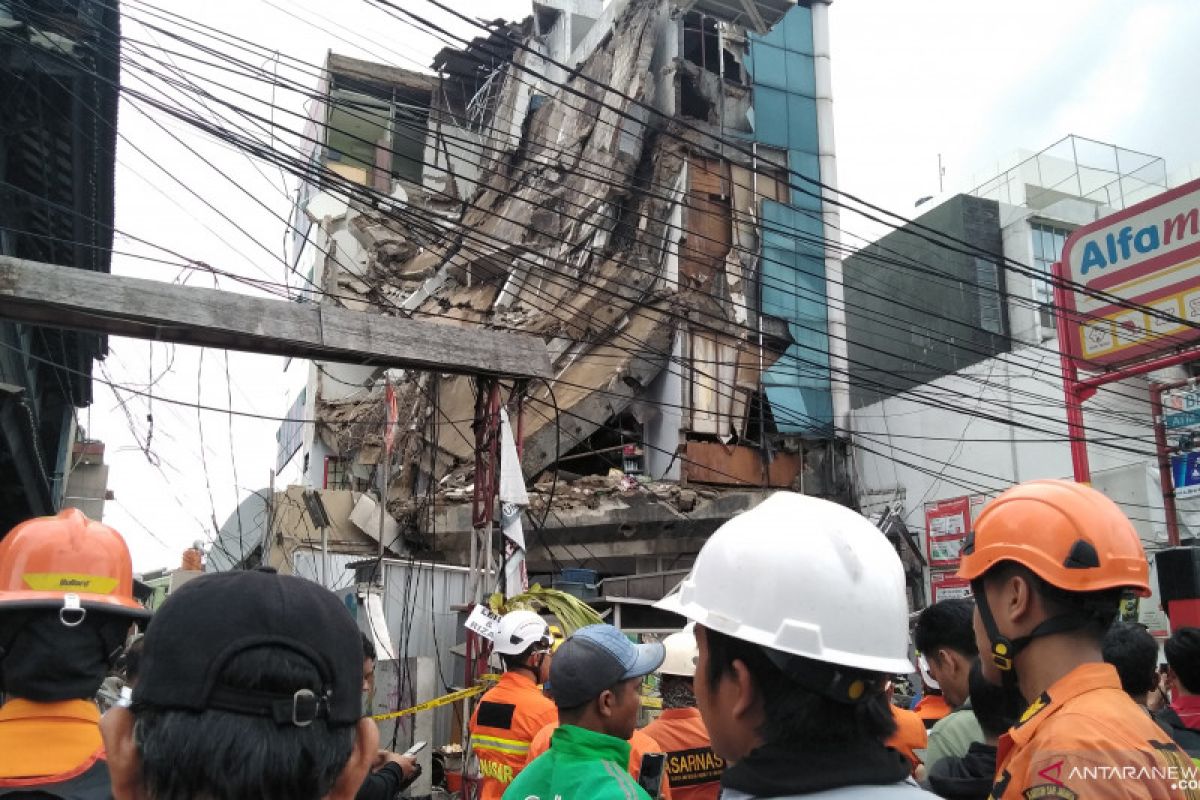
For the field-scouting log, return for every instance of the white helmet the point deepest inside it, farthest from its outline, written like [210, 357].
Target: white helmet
[926, 678]
[520, 630]
[802, 576]
[681, 654]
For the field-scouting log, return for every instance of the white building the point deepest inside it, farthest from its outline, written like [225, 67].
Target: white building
[966, 398]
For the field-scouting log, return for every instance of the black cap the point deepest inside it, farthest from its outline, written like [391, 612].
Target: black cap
[214, 617]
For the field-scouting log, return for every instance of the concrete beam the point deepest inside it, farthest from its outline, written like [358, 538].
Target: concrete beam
[62, 297]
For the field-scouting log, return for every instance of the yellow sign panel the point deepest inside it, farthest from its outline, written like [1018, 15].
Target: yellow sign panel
[69, 582]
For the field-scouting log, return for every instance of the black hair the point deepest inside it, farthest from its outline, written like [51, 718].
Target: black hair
[947, 624]
[1132, 650]
[368, 647]
[512, 662]
[793, 715]
[1183, 656]
[1099, 609]
[220, 754]
[129, 664]
[997, 708]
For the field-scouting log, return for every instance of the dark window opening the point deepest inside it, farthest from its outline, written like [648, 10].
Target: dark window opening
[760, 418]
[616, 445]
[733, 68]
[692, 102]
[701, 43]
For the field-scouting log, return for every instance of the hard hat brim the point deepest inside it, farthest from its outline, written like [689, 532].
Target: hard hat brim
[93, 602]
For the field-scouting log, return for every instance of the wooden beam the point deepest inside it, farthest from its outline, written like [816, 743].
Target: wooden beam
[63, 297]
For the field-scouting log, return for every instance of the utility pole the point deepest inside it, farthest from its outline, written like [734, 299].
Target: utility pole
[941, 175]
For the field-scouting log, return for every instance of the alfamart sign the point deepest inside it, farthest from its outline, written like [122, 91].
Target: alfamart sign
[1147, 255]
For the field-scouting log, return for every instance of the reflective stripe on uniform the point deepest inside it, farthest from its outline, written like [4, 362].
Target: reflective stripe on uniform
[483, 742]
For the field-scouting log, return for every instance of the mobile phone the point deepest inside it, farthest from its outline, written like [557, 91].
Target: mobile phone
[650, 776]
[416, 748]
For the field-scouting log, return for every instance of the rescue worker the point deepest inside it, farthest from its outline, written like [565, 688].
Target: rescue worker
[514, 710]
[792, 686]
[693, 769]
[66, 607]
[1048, 562]
[596, 675]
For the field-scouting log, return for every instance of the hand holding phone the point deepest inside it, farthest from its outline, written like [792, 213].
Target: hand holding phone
[416, 748]
[650, 775]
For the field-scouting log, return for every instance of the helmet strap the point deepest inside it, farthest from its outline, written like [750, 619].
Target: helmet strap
[838, 683]
[1004, 651]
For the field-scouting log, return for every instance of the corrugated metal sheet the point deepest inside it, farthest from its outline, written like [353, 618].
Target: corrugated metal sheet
[417, 602]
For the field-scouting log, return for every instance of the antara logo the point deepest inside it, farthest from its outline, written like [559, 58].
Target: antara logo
[1120, 246]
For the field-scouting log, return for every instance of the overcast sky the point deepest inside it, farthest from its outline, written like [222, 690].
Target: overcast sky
[972, 81]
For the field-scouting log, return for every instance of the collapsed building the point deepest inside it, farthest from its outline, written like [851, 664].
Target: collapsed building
[636, 183]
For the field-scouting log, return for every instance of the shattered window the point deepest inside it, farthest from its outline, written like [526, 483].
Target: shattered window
[701, 43]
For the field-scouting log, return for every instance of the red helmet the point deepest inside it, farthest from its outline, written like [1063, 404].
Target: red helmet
[68, 562]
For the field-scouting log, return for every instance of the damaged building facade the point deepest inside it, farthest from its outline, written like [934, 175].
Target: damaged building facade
[636, 183]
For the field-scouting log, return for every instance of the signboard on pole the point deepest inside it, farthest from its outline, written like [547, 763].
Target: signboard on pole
[1185, 474]
[1181, 409]
[948, 586]
[946, 525]
[1147, 255]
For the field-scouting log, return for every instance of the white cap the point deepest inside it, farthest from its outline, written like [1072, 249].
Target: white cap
[802, 576]
[520, 630]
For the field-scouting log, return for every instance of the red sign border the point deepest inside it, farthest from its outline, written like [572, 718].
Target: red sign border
[1075, 319]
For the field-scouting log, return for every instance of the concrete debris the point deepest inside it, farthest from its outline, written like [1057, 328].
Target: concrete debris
[549, 211]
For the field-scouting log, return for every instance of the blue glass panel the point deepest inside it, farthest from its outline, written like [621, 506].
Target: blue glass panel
[801, 74]
[770, 66]
[797, 30]
[802, 124]
[771, 116]
[793, 289]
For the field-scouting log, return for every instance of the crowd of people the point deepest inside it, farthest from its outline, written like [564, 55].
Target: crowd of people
[251, 684]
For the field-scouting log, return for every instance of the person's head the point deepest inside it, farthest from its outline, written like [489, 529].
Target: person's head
[1130, 648]
[1183, 661]
[595, 678]
[678, 670]
[996, 708]
[787, 668]
[945, 636]
[369, 659]
[262, 665]
[1049, 560]
[66, 606]
[524, 645]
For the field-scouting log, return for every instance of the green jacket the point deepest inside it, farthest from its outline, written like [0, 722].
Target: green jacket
[580, 765]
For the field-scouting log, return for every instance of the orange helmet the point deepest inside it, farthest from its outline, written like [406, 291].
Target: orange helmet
[69, 562]
[1068, 534]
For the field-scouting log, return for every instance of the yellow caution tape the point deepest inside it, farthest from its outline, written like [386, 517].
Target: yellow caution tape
[446, 699]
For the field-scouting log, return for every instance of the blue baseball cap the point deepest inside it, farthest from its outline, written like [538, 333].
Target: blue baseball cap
[596, 658]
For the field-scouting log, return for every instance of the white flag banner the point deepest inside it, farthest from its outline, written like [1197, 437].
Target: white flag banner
[513, 500]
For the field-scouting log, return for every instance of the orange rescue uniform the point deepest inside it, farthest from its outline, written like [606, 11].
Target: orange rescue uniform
[931, 708]
[502, 727]
[639, 745]
[693, 769]
[910, 735]
[1085, 738]
[44, 745]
